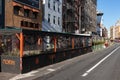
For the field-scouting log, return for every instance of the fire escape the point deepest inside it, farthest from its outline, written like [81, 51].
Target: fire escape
[77, 4]
[71, 16]
[68, 16]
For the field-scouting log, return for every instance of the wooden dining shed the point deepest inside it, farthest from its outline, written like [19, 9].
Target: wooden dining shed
[25, 50]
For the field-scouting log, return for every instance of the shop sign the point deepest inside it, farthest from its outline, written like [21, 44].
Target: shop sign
[8, 62]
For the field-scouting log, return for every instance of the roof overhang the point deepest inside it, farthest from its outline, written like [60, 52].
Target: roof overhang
[7, 31]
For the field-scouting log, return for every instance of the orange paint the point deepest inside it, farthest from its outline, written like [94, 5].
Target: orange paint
[55, 45]
[37, 61]
[8, 62]
[21, 45]
[73, 43]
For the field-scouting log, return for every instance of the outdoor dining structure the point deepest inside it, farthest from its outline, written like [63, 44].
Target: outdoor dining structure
[25, 50]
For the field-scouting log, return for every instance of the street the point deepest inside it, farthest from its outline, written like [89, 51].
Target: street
[59, 40]
[103, 65]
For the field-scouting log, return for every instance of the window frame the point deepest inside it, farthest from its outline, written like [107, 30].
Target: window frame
[49, 18]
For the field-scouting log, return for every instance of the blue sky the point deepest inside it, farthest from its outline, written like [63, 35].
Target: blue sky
[111, 10]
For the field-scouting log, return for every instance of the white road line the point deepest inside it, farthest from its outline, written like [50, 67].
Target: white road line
[88, 71]
[21, 76]
[51, 70]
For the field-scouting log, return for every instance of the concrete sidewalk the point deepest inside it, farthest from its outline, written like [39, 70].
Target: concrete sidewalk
[6, 76]
[45, 70]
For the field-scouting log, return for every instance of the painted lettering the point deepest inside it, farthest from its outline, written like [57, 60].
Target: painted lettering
[8, 62]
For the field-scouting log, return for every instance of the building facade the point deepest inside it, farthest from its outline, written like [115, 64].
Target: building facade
[99, 28]
[112, 32]
[23, 14]
[104, 32]
[115, 31]
[2, 14]
[88, 16]
[52, 18]
[71, 16]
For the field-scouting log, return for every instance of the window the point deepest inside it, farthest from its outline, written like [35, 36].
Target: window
[82, 17]
[26, 24]
[31, 25]
[26, 12]
[48, 3]
[54, 19]
[58, 9]
[22, 23]
[53, 5]
[16, 10]
[36, 25]
[35, 14]
[48, 18]
[58, 20]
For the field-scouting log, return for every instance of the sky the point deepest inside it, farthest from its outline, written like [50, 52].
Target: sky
[111, 10]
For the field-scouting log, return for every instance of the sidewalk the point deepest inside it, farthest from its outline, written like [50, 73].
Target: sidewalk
[6, 76]
[45, 71]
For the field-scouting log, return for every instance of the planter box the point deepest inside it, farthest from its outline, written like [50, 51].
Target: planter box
[10, 64]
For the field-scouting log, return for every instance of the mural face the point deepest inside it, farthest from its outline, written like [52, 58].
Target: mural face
[32, 3]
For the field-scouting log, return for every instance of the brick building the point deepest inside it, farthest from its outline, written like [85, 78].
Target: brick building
[23, 14]
[79, 16]
[71, 16]
[88, 16]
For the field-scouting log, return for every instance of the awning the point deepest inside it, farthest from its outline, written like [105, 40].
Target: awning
[9, 31]
[26, 7]
[17, 4]
[35, 10]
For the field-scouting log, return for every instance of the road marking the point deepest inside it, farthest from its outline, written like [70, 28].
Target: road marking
[26, 75]
[46, 73]
[51, 70]
[88, 71]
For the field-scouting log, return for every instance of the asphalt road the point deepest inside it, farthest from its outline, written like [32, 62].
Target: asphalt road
[101, 65]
